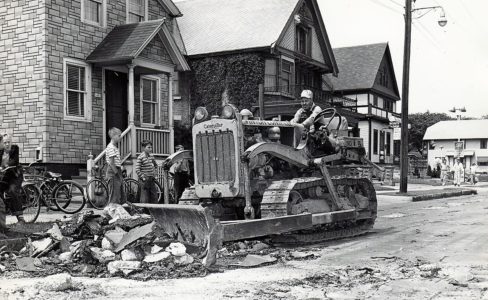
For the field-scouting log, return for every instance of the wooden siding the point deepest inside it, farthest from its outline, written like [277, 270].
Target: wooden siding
[316, 50]
[288, 41]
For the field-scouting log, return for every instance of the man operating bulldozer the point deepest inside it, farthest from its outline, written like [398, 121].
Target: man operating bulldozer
[306, 115]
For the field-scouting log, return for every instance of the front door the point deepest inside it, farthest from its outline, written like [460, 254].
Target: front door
[116, 112]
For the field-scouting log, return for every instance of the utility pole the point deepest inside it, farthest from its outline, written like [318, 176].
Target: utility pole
[405, 85]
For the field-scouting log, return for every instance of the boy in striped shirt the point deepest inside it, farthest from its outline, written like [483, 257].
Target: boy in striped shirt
[146, 170]
[114, 170]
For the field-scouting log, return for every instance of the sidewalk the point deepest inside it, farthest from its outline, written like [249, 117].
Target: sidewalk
[421, 192]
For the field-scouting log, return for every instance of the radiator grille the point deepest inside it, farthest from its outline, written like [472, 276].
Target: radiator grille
[215, 157]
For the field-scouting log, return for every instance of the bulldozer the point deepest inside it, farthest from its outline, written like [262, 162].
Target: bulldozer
[255, 178]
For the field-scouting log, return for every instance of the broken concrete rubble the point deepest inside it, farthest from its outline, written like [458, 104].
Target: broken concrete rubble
[155, 257]
[101, 255]
[87, 244]
[126, 267]
[176, 249]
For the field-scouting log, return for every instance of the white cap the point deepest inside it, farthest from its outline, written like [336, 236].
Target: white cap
[306, 94]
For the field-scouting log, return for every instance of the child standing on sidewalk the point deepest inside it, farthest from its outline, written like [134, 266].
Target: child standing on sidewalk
[114, 170]
[146, 170]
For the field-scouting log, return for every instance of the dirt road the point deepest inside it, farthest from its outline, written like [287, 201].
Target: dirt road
[435, 249]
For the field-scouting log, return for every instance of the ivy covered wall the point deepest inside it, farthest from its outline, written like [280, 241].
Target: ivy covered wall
[226, 79]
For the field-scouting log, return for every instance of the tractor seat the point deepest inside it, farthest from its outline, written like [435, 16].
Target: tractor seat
[54, 175]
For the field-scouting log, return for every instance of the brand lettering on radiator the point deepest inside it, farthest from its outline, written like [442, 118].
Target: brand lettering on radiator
[213, 126]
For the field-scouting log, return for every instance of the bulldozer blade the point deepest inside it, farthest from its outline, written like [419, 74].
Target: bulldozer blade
[190, 224]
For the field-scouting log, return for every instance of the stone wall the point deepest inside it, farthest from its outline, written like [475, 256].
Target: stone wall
[23, 74]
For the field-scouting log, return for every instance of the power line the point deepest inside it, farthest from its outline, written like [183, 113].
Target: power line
[427, 35]
[396, 3]
[386, 6]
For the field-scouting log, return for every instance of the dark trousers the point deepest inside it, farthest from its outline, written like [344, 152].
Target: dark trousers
[116, 186]
[181, 182]
[148, 191]
[12, 183]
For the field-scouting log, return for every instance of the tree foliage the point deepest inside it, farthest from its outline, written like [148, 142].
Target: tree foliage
[419, 124]
[231, 79]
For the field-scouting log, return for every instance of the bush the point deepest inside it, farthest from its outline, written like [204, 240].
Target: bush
[183, 135]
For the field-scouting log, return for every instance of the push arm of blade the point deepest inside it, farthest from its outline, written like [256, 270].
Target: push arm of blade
[297, 157]
[338, 202]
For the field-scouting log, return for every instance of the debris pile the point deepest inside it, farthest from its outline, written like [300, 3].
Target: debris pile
[113, 243]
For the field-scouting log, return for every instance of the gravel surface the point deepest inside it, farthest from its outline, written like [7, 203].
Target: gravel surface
[417, 250]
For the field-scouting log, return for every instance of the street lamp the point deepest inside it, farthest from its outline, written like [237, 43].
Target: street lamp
[406, 73]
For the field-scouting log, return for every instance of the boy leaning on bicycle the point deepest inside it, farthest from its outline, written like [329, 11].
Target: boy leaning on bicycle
[11, 181]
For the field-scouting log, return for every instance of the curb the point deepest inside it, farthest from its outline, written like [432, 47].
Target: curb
[444, 195]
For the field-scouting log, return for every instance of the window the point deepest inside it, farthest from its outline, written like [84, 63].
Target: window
[375, 100]
[375, 141]
[270, 75]
[149, 101]
[303, 40]
[388, 143]
[176, 85]
[286, 76]
[77, 90]
[383, 76]
[382, 142]
[483, 144]
[136, 11]
[93, 12]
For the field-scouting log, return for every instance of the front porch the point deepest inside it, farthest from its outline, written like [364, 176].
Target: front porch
[138, 62]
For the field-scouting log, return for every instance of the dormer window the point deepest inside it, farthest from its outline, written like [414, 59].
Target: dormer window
[136, 11]
[303, 40]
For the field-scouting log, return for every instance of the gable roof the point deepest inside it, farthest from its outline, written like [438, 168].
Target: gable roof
[126, 42]
[171, 8]
[359, 65]
[213, 26]
[453, 130]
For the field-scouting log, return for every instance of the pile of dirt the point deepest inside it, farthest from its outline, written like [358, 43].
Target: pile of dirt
[112, 243]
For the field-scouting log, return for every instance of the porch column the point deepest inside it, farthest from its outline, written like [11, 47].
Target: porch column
[170, 114]
[130, 94]
[133, 134]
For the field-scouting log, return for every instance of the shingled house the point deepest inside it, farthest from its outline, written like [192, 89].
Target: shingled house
[70, 70]
[367, 78]
[233, 46]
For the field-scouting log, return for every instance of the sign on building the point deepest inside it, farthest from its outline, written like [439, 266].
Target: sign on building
[397, 133]
[458, 147]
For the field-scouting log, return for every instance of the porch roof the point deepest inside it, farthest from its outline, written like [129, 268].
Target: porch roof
[125, 42]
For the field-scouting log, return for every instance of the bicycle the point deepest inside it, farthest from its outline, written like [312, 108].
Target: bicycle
[98, 189]
[56, 194]
[29, 195]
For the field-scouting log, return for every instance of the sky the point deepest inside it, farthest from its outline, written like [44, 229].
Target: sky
[448, 65]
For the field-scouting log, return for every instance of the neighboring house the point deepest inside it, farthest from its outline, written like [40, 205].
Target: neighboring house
[472, 135]
[70, 70]
[233, 46]
[367, 79]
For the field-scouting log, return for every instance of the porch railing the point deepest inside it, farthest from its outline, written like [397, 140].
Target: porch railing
[294, 91]
[130, 145]
[159, 138]
[376, 111]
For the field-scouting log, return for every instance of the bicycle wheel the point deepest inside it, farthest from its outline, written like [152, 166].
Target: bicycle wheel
[69, 197]
[132, 190]
[31, 205]
[97, 193]
[159, 192]
[47, 188]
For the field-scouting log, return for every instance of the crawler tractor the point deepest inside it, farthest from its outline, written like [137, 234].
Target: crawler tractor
[257, 178]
